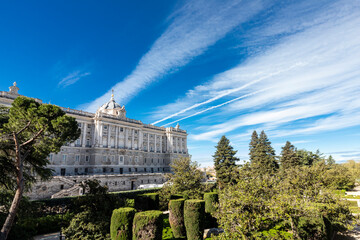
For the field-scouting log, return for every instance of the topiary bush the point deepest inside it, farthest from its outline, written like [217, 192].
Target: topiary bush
[194, 211]
[148, 201]
[121, 223]
[211, 199]
[176, 217]
[148, 225]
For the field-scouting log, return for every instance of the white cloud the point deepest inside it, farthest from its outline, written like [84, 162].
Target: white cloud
[312, 73]
[72, 78]
[193, 28]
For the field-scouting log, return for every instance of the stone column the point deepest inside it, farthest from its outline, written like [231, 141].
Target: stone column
[132, 138]
[148, 142]
[108, 137]
[155, 142]
[116, 136]
[84, 134]
[101, 135]
[161, 142]
[140, 139]
[126, 137]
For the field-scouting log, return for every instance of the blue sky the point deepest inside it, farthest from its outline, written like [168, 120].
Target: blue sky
[227, 67]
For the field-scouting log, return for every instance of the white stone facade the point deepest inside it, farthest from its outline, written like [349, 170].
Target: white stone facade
[112, 144]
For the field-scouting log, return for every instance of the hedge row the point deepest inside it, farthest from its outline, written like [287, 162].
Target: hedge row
[176, 217]
[148, 201]
[194, 211]
[121, 223]
[211, 199]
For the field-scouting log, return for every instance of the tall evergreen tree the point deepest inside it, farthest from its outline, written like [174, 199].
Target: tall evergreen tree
[253, 144]
[289, 157]
[263, 156]
[225, 162]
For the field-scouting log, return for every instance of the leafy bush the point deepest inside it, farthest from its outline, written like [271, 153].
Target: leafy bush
[194, 211]
[121, 223]
[176, 217]
[148, 225]
[87, 226]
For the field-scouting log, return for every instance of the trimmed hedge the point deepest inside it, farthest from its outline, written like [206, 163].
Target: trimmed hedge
[176, 217]
[194, 211]
[121, 223]
[148, 225]
[148, 201]
[210, 200]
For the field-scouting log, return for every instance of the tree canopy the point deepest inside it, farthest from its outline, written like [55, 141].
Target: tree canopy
[224, 162]
[29, 132]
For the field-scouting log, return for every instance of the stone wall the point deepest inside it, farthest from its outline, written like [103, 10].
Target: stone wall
[115, 182]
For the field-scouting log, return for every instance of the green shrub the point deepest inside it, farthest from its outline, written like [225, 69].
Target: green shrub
[129, 203]
[311, 228]
[194, 211]
[145, 202]
[176, 217]
[148, 225]
[121, 223]
[88, 226]
[211, 199]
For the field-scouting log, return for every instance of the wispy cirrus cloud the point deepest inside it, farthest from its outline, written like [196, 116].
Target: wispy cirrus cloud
[192, 30]
[72, 78]
[310, 73]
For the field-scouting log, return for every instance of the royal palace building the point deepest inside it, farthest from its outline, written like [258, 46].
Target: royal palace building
[123, 151]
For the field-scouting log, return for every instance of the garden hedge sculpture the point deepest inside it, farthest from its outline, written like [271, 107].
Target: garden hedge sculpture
[194, 211]
[176, 217]
[210, 208]
[148, 225]
[148, 201]
[121, 223]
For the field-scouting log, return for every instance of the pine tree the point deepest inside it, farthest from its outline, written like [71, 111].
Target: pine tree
[330, 161]
[253, 144]
[263, 156]
[289, 157]
[225, 162]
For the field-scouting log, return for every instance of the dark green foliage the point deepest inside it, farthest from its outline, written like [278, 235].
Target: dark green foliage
[148, 225]
[309, 158]
[211, 199]
[311, 228]
[262, 155]
[330, 161]
[121, 223]
[148, 201]
[289, 157]
[252, 146]
[176, 217]
[194, 216]
[225, 162]
[88, 226]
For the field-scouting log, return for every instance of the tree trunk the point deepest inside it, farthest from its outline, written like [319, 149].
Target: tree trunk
[18, 194]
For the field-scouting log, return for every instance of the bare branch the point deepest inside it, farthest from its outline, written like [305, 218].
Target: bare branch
[32, 139]
[26, 126]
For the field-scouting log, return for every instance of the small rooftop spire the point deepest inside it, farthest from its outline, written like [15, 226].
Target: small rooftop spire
[112, 95]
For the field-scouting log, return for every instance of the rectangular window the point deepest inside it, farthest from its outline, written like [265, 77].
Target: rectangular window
[144, 169]
[121, 171]
[64, 158]
[104, 158]
[76, 170]
[87, 142]
[112, 158]
[135, 169]
[129, 169]
[63, 171]
[77, 158]
[77, 141]
[79, 125]
[137, 159]
[86, 170]
[105, 127]
[111, 170]
[121, 159]
[51, 157]
[121, 129]
[87, 158]
[104, 170]
[142, 181]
